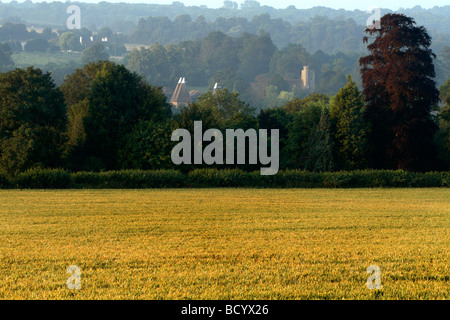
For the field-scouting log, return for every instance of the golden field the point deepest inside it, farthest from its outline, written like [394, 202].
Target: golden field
[225, 243]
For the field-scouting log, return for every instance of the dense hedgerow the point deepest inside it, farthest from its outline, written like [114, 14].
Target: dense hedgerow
[229, 178]
[128, 179]
[223, 178]
[42, 179]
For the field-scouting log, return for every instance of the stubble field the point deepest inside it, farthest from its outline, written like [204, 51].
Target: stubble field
[225, 243]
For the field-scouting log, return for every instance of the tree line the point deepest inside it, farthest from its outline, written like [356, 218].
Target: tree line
[123, 17]
[105, 117]
[250, 63]
[317, 33]
[253, 66]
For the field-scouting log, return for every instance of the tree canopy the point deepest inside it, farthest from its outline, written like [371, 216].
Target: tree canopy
[105, 102]
[32, 121]
[400, 92]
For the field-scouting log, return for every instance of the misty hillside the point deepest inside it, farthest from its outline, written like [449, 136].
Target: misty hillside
[233, 19]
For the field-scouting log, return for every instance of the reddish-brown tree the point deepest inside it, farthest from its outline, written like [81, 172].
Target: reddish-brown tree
[400, 91]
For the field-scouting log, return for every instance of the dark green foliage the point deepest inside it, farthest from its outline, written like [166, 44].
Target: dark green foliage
[443, 136]
[32, 121]
[210, 178]
[350, 128]
[115, 98]
[105, 102]
[43, 179]
[320, 146]
[299, 104]
[234, 178]
[231, 110]
[299, 131]
[221, 110]
[30, 147]
[128, 179]
[148, 146]
[4, 182]
[277, 118]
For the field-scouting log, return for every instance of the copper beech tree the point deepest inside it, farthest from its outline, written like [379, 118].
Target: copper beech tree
[400, 91]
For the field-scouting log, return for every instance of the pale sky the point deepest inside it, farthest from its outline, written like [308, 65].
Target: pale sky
[302, 4]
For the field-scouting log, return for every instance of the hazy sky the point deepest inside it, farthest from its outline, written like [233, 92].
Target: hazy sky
[301, 4]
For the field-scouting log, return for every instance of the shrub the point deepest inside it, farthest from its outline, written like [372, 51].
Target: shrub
[129, 179]
[43, 179]
[204, 178]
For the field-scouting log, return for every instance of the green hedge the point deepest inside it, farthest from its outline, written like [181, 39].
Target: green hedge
[128, 179]
[42, 179]
[210, 178]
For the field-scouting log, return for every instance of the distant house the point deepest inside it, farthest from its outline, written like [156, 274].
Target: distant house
[195, 94]
[216, 87]
[181, 94]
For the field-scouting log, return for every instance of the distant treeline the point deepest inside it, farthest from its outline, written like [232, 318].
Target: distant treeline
[248, 64]
[318, 33]
[103, 118]
[318, 28]
[122, 17]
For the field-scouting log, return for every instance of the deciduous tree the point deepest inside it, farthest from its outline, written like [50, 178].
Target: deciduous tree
[350, 128]
[400, 91]
[320, 145]
[105, 102]
[32, 121]
[94, 53]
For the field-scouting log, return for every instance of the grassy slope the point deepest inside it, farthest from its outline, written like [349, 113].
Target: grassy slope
[225, 244]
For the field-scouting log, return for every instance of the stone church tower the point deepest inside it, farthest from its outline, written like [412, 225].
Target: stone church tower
[308, 79]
